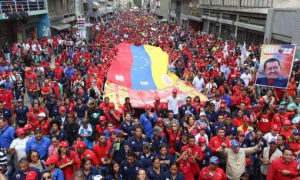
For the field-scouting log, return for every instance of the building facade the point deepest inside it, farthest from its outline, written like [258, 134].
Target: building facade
[100, 9]
[23, 19]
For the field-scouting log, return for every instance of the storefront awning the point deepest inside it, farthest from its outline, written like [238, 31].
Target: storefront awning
[96, 5]
[60, 27]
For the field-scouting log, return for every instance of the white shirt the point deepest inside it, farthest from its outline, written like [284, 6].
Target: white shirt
[19, 145]
[173, 104]
[33, 47]
[269, 137]
[198, 83]
[246, 78]
[27, 47]
[209, 86]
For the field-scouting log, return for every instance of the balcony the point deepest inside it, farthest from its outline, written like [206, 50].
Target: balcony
[32, 8]
[239, 3]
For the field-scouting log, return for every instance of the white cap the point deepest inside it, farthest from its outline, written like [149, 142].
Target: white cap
[98, 177]
[202, 114]
[296, 60]
[42, 114]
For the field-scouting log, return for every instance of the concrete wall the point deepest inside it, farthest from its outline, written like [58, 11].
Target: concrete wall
[286, 4]
[284, 23]
[164, 9]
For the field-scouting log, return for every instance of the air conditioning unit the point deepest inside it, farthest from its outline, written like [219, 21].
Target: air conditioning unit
[198, 6]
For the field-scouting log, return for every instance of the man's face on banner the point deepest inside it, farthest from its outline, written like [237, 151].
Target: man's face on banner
[272, 70]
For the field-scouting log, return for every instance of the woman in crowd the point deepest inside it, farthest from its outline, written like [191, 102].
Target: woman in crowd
[114, 171]
[34, 161]
[89, 171]
[212, 171]
[53, 149]
[174, 137]
[146, 156]
[127, 126]
[173, 173]
[155, 171]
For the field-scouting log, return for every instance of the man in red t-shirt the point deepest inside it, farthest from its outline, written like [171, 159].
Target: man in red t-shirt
[29, 75]
[101, 150]
[57, 71]
[113, 115]
[6, 96]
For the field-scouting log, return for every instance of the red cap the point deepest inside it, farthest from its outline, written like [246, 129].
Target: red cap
[239, 73]
[202, 139]
[52, 160]
[63, 144]
[111, 104]
[246, 119]
[251, 80]
[80, 144]
[20, 131]
[112, 131]
[223, 101]
[222, 106]
[147, 106]
[157, 99]
[201, 127]
[27, 127]
[164, 106]
[174, 91]
[262, 100]
[31, 175]
[287, 122]
[159, 119]
[249, 107]
[275, 127]
[241, 133]
[62, 108]
[57, 64]
[102, 118]
[80, 91]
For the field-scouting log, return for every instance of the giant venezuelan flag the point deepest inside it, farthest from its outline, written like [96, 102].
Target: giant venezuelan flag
[141, 73]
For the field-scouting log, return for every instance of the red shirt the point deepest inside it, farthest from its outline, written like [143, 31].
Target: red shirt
[237, 122]
[90, 154]
[216, 142]
[105, 107]
[195, 151]
[69, 171]
[278, 165]
[45, 89]
[295, 146]
[185, 167]
[264, 123]
[45, 126]
[99, 129]
[57, 72]
[110, 118]
[287, 133]
[29, 76]
[6, 96]
[102, 151]
[205, 174]
[33, 118]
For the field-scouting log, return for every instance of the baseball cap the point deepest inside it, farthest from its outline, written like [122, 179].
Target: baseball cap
[234, 143]
[159, 120]
[147, 106]
[295, 131]
[63, 144]
[241, 133]
[20, 100]
[214, 160]
[80, 91]
[31, 175]
[157, 129]
[246, 119]
[249, 107]
[281, 107]
[201, 127]
[62, 108]
[38, 130]
[222, 105]
[27, 127]
[42, 114]
[112, 131]
[51, 160]
[287, 122]
[202, 114]
[164, 105]
[111, 104]
[275, 127]
[262, 100]
[20, 131]
[273, 140]
[102, 118]
[80, 144]
[174, 91]
[92, 100]
[157, 99]
[202, 139]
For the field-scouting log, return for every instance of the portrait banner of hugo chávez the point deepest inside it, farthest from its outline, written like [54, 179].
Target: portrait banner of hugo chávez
[275, 65]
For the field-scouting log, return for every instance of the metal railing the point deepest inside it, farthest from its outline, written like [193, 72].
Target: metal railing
[238, 3]
[22, 5]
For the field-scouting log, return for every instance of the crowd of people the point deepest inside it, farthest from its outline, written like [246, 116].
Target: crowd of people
[71, 130]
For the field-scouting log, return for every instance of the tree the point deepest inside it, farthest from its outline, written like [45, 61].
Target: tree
[129, 4]
[138, 3]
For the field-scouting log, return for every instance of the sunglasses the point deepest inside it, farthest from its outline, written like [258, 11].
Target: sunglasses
[48, 177]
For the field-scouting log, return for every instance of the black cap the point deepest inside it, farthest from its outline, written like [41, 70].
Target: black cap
[38, 130]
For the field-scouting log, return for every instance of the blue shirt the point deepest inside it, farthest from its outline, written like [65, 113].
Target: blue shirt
[129, 172]
[169, 158]
[7, 84]
[211, 116]
[119, 155]
[80, 110]
[151, 174]
[137, 145]
[230, 130]
[7, 115]
[215, 126]
[155, 142]
[146, 160]
[7, 135]
[69, 72]
[19, 175]
[207, 154]
[41, 147]
[127, 128]
[58, 174]
[179, 176]
[92, 174]
[111, 177]
[279, 82]
[62, 135]
[147, 123]
[21, 113]
[106, 132]
[183, 108]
